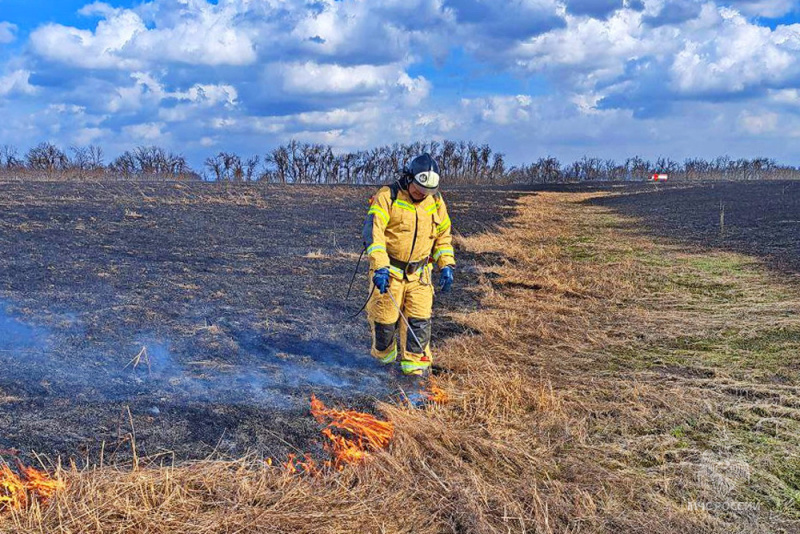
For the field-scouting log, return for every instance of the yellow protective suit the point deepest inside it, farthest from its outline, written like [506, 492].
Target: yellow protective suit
[407, 237]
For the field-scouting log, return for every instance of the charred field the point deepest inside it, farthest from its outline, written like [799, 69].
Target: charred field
[197, 317]
[757, 218]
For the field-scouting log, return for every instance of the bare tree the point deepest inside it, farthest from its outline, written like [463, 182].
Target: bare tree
[95, 157]
[9, 157]
[47, 158]
[151, 163]
[79, 162]
[215, 164]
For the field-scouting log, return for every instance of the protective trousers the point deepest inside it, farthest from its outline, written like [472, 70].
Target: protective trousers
[416, 300]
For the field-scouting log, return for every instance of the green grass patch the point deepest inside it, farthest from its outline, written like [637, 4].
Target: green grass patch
[778, 340]
[722, 264]
[701, 286]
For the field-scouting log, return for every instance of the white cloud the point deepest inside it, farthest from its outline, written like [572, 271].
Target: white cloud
[500, 110]
[375, 33]
[17, 82]
[590, 50]
[148, 93]
[201, 34]
[151, 132]
[90, 135]
[757, 124]
[210, 94]
[8, 32]
[789, 97]
[101, 9]
[413, 91]
[207, 41]
[313, 78]
[146, 90]
[624, 61]
[329, 86]
[102, 49]
[338, 118]
[737, 56]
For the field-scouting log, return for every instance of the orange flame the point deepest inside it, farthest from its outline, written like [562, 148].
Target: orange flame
[345, 451]
[40, 483]
[12, 489]
[368, 433]
[365, 433]
[294, 465]
[16, 492]
[436, 394]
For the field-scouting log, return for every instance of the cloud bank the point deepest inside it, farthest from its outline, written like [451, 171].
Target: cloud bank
[565, 77]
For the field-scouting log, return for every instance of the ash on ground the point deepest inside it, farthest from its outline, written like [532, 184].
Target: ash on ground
[199, 318]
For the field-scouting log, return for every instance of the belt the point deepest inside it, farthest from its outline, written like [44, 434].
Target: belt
[409, 267]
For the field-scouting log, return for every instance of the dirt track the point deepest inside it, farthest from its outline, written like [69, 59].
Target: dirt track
[234, 293]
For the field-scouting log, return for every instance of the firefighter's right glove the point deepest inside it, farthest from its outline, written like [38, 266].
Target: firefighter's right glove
[381, 279]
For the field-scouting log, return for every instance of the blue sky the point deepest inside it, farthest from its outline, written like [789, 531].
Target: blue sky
[602, 78]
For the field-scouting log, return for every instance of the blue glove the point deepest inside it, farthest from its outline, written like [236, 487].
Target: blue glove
[381, 279]
[446, 279]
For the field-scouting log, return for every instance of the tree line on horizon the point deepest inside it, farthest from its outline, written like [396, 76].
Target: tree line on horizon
[461, 163]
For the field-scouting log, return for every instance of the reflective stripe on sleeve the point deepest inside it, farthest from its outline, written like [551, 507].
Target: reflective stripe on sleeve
[443, 251]
[380, 212]
[444, 226]
[395, 270]
[375, 247]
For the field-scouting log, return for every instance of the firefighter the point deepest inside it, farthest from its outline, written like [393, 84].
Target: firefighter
[406, 232]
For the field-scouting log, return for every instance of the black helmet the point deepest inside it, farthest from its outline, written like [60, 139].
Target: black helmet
[424, 171]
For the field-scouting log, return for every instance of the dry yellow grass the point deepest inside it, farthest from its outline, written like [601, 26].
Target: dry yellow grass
[555, 422]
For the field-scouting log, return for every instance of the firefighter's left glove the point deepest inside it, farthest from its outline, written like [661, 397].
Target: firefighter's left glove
[446, 279]
[381, 279]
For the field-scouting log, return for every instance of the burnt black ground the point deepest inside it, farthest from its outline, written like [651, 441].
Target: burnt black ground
[235, 292]
[761, 218]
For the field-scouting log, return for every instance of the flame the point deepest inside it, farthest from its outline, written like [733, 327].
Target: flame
[16, 492]
[295, 465]
[436, 394]
[12, 489]
[345, 451]
[40, 483]
[366, 433]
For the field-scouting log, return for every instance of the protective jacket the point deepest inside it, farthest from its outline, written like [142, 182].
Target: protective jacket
[403, 235]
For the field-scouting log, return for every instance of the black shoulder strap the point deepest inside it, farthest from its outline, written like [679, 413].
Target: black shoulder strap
[395, 189]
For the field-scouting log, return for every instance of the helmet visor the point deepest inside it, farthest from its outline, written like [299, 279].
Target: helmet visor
[428, 181]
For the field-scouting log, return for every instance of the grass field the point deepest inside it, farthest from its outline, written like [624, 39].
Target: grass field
[611, 378]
